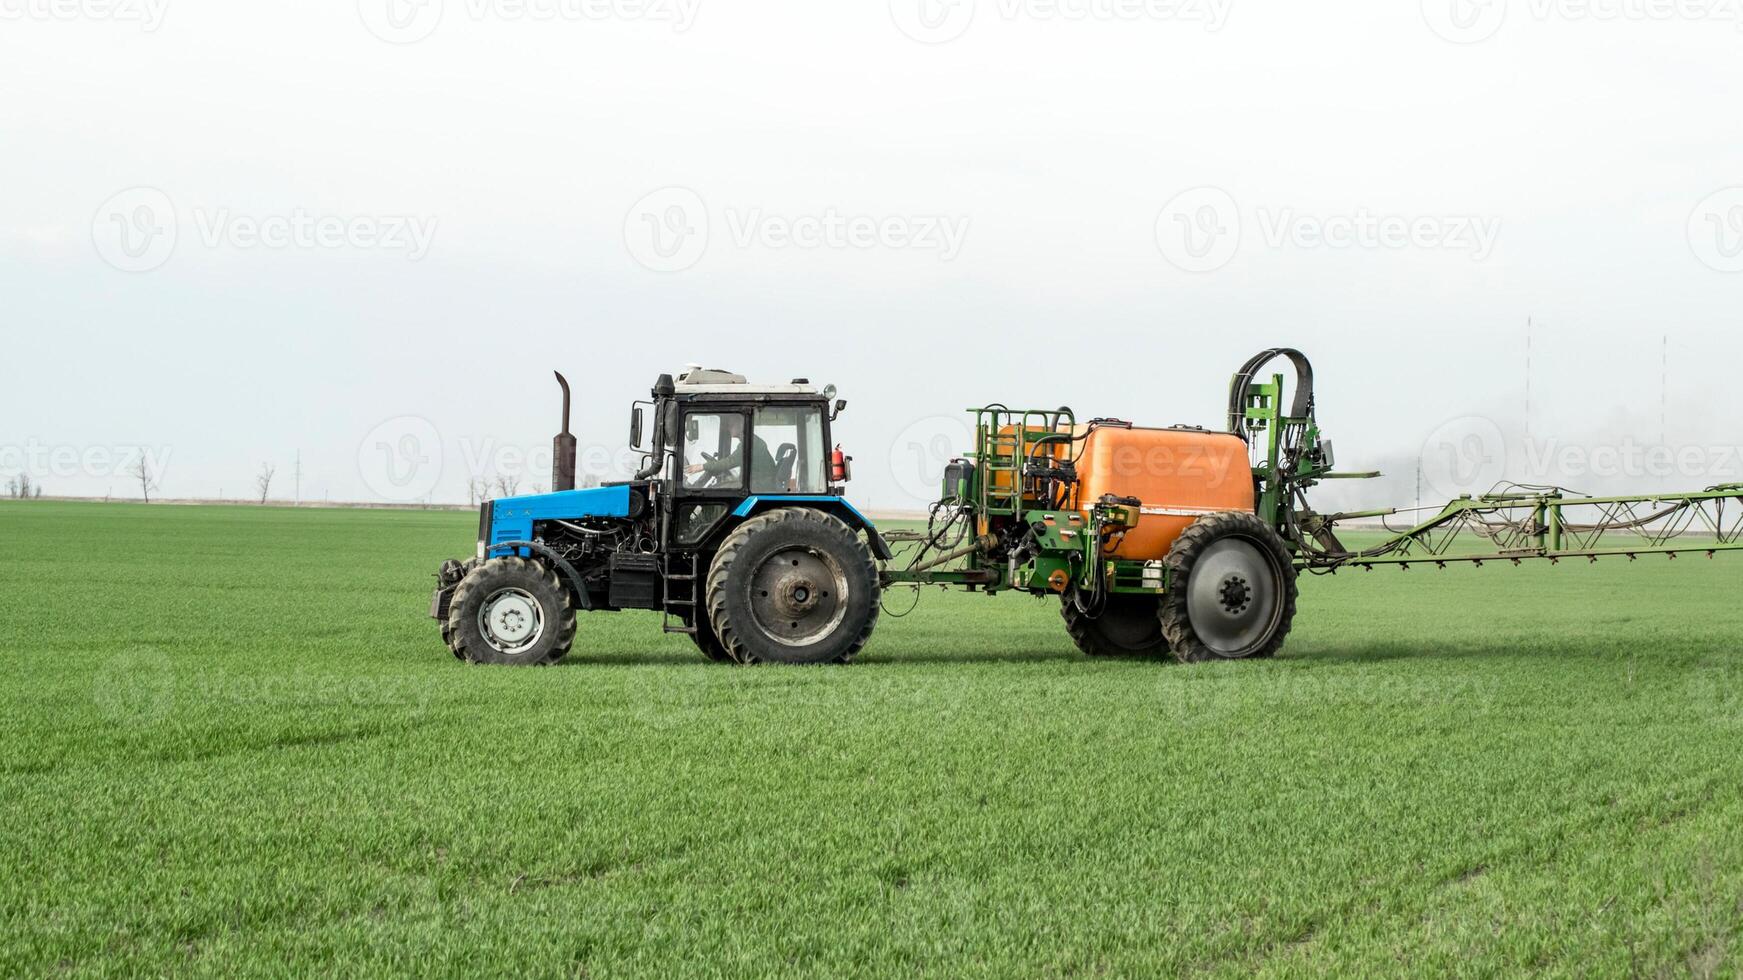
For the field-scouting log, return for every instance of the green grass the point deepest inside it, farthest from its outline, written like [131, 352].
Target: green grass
[230, 741]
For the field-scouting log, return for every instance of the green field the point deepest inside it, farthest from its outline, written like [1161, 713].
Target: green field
[230, 739]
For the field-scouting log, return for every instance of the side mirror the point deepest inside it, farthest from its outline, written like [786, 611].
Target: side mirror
[635, 428]
[840, 406]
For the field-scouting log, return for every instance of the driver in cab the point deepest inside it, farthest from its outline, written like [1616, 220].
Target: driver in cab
[727, 470]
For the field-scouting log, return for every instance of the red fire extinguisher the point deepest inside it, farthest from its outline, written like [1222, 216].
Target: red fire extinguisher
[840, 466]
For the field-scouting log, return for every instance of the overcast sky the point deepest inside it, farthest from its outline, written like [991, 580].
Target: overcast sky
[367, 231]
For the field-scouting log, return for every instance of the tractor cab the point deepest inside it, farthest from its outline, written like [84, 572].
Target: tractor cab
[724, 447]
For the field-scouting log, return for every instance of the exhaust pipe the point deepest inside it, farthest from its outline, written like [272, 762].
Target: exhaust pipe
[563, 447]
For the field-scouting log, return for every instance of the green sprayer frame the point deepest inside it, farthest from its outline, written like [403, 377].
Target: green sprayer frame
[1002, 529]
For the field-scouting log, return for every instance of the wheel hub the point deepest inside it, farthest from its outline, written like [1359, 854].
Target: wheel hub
[1234, 597]
[511, 620]
[797, 596]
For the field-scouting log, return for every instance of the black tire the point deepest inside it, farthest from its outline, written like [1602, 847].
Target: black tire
[533, 590]
[1233, 572]
[753, 590]
[450, 576]
[1129, 626]
[707, 642]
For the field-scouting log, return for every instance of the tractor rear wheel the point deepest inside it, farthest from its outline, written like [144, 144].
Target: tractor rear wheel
[706, 641]
[1129, 626]
[511, 611]
[793, 586]
[1231, 592]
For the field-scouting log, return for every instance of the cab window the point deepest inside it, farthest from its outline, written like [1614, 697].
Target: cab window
[789, 453]
[714, 451]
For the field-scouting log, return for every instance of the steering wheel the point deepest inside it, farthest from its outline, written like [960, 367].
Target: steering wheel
[714, 479]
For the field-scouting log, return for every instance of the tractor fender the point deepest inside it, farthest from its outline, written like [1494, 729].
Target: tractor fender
[838, 506]
[557, 561]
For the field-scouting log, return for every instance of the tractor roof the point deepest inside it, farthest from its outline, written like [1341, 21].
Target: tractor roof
[695, 380]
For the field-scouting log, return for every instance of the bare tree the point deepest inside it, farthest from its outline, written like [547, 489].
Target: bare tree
[263, 481]
[477, 490]
[20, 487]
[141, 471]
[508, 485]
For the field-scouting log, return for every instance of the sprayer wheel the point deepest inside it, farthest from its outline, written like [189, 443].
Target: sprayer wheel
[1231, 592]
[1129, 626]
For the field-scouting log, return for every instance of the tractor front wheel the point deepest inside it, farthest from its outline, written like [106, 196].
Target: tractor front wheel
[1231, 590]
[511, 611]
[1128, 626]
[793, 586]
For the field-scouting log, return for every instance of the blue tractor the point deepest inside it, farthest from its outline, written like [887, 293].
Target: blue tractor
[735, 529]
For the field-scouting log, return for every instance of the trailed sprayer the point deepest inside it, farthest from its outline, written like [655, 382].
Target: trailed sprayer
[1179, 540]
